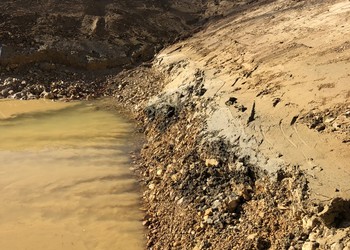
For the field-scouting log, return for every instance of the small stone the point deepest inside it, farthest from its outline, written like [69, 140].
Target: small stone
[180, 201]
[209, 221]
[309, 223]
[30, 96]
[88, 97]
[174, 177]
[240, 108]
[231, 101]
[197, 247]
[5, 92]
[159, 172]
[231, 167]
[329, 120]
[252, 236]
[309, 246]
[320, 127]
[146, 223]
[151, 186]
[276, 101]
[209, 211]
[48, 95]
[281, 207]
[232, 204]
[216, 204]
[336, 125]
[313, 237]
[211, 163]
[337, 208]
[337, 246]
[17, 95]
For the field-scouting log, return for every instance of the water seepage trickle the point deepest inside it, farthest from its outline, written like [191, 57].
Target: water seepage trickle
[65, 181]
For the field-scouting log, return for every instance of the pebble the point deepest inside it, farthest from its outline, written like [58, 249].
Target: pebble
[5, 92]
[320, 127]
[159, 172]
[232, 204]
[252, 236]
[313, 237]
[329, 120]
[216, 204]
[209, 221]
[146, 223]
[208, 211]
[336, 125]
[309, 246]
[337, 246]
[211, 162]
[180, 201]
[309, 223]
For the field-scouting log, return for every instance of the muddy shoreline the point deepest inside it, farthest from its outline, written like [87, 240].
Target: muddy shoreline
[199, 190]
[200, 194]
[203, 192]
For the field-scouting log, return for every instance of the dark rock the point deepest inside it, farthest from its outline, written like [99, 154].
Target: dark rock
[232, 204]
[336, 213]
[320, 127]
[201, 92]
[276, 101]
[5, 92]
[231, 101]
[18, 95]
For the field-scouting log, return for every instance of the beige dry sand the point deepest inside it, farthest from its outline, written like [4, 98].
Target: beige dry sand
[288, 61]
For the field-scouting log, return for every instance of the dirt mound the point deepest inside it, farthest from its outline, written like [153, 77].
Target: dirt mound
[46, 42]
[247, 143]
[92, 34]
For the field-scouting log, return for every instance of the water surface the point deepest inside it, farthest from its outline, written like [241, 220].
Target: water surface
[65, 181]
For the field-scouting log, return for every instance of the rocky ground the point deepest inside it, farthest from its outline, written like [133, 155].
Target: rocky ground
[246, 114]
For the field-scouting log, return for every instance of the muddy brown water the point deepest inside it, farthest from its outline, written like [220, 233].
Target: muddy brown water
[65, 181]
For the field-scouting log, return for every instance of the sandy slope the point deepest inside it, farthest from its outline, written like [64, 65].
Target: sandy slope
[289, 61]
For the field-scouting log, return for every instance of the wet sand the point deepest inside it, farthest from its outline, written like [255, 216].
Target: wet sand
[65, 181]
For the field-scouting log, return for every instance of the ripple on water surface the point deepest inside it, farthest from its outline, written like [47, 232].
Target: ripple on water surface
[64, 178]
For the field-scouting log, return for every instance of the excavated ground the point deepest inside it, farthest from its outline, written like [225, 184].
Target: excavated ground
[246, 121]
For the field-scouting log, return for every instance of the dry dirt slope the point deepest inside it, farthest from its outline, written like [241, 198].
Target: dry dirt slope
[90, 34]
[289, 61]
[76, 44]
[95, 34]
[269, 90]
